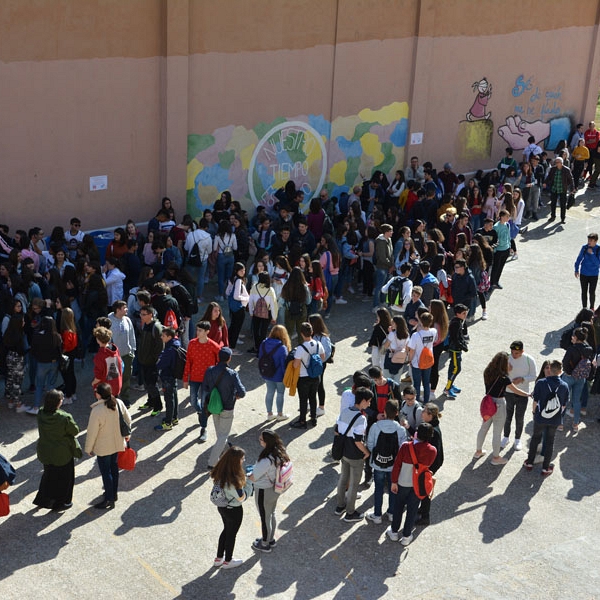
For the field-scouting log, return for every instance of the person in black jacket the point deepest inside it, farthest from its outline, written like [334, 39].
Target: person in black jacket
[464, 288]
[162, 301]
[457, 344]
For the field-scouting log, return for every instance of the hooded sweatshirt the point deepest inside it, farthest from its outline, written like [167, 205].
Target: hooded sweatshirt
[108, 367]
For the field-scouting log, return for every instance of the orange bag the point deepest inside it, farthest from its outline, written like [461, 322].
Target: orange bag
[126, 460]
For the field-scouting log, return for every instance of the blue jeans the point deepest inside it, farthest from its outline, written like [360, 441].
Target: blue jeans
[224, 271]
[272, 387]
[110, 475]
[380, 277]
[45, 379]
[196, 400]
[405, 497]
[198, 273]
[575, 389]
[170, 391]
[330, 300]
[418, 376]
[380, 477]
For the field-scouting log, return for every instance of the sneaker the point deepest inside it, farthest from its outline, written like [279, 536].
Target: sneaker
[202, 435]
[272, 543]
[375, 518]
[105, 505]
[484, 315]
[528, 466]
[11, 405]
[218, 562]
[571, 413]
[390, 517]
[261, 546]
[366, 484]
[21, 408]
[450, 394]
[406, 540]
[351, 290]
[163, 427]
[298, 425]
[320, 411]
[271, 417]
[341, 300]
[518, 445]
[175, 422]
[232, 564]
[393, 535]
[503, 442]
[499, 460]
[155, 413]
[67, 400]
[583, 412]
[339, 511]
[455, 389]
[34, 410]
[282, 417]
[548, 471]
[355, 517]
[235, 352]
[241, 336]
[145, 406]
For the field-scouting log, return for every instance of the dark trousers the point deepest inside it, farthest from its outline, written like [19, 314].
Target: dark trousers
[321, 390]
[549, 431]
[56, 486]
[171, 405]
[150, 381]
[500, 258]
[454, 367]
[405, 497]
[232, 521]
[562, 199]
[435, 373]
[68, 376]
[578, 170]
[588, 282]
[517, 405]
[109, 470]
[368, 272]
[259, 330]
[237, 320]
[307, 392]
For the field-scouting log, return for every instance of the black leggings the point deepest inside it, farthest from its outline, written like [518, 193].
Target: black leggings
[321, 390]
[232, 521]
[435, 375]
[237, 320]
[588, 282]
[259, 330]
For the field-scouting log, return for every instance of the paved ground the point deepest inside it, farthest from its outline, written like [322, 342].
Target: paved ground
[495, 532]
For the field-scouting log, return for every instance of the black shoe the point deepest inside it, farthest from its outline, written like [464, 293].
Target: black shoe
[313, 422]
[299, 425]
[355, 517]
[116, 497]
[203, 436]
[366, 484]
[423, 522]
[551, 219]
[62, 506]
[535, 217]
[562, 222]
[499, 286]
[105, 505]
[339, 511]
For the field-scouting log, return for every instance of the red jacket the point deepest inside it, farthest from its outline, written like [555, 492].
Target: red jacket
[425, 452]
[108, 368]
[199, 358]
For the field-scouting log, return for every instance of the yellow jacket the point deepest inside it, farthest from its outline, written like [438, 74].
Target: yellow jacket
[290, 378]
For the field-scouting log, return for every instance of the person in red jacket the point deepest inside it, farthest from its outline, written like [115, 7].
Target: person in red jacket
[402, 482]
[108, 366]
[202, 353]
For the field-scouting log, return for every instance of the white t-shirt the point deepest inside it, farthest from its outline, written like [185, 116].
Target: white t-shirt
[420, 339]
[314, 347]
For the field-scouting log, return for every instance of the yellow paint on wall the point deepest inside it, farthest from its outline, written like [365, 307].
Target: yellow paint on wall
[246, 156]
[372, 147]
[337, 173]
[386, 115]
[194, 167]
[243, 141]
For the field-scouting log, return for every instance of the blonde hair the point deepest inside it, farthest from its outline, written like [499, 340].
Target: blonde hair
[67, 320]
[279, 332]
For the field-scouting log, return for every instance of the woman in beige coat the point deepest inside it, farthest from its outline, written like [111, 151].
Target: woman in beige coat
[104, 439]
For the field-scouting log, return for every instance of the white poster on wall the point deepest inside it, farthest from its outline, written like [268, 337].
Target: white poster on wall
[416, 138]
[99, 182]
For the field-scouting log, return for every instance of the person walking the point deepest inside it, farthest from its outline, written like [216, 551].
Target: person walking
[587, 268]
[560, 182]
[149, 348]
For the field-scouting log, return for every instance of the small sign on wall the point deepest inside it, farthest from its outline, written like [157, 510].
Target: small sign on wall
[99, 182]
[416, 138]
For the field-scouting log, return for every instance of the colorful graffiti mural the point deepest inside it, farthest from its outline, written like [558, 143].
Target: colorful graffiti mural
[475, 134]
[314, 152]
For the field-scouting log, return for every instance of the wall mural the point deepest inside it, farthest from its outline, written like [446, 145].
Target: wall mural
[475, 134]
[314, 152]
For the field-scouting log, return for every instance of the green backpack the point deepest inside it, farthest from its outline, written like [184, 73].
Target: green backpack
[215, 402]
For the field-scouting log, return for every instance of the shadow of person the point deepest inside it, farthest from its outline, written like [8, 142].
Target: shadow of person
[578, 461]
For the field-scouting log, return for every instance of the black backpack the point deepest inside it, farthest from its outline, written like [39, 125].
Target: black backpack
[385, 450]
[180, 358]
[266, 364]
[394, 293]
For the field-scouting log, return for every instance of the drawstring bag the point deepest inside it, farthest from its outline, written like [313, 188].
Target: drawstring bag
[487, 408]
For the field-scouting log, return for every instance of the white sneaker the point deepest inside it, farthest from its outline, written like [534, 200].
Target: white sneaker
[232, 564]
[320, 411]
[571, 412]
[271, 417]
[67, 400]
[241, 336]
[341, 300]
[282, 417]
[405, 541]
[484, 315]
[518, 445]
[33, 410]
[393, 535]
[351, 289]
[373, 517]
[390, 517]
[22, 408]
[503, 442]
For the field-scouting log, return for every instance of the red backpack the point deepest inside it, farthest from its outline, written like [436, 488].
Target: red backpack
[171, 320]
[423, 480]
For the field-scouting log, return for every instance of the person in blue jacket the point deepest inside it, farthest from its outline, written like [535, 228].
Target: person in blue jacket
[166, 370]
[587, 267]
[279, 344]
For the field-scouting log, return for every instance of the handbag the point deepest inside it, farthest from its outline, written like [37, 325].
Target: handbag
[400, 357]
[487, 408]
[126, 460]
[4, 504]
[124, 426]
[339, 440]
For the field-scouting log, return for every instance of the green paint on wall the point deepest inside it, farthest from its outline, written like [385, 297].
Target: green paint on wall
[198, 143]
[226, 158]
[361, 129]
[352, 170]
[296, 152]
[389, 160]
[262, 128]
[190, 201]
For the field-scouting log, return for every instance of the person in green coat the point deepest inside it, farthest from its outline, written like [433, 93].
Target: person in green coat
[57, 449]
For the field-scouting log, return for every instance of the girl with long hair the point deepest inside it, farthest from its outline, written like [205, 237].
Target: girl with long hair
[321, 334]
[264, 472]
[230, 476]
[367, 255]
[225, 245]
[281, 274]
[279, 344]
[397, 339]
[496, 381]
[478, 267]
[440, 322]
[70, 339]
[491, 204]
[218, 327]
[262, 306]
[318, 288]
[296, 297]
[431, 414]
[330, 260]
[118, 245]
[237, 298]
[378, 340]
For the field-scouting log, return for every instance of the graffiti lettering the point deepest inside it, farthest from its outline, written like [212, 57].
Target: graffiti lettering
[288, 170]
[554, 94]
[521, 86]
[550, 109]
[535, 96]
[519, 110]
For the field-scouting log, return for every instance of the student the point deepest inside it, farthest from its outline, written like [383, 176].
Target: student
[278, 345]
[166, 370]
[420, 354]
[378, 340]
[398, 289]
[457, 344]
[108, 366]
[321, 334]
[410, 312]
[587, 267]
[238, 298]
[359, 379]
[411, 410]
[384, 448]
[262, 306]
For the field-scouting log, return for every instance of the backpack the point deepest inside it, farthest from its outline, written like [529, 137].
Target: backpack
[234, 305]
[217, 496]
[582, 369]
[215, 402]
[284, 477]
[171, 320]
[314, 368]
[180, 359]
[266, 364]
[552, 406]
[385, 450]
[394, 294]
[193, 258]
[423, 480]
[426, 357]
[295, 308]
[484, 282]
[261, 308]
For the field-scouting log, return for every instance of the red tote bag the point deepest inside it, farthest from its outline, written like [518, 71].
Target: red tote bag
[127, 459]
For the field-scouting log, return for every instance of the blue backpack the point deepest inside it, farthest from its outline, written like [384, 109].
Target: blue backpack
[314, 368]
